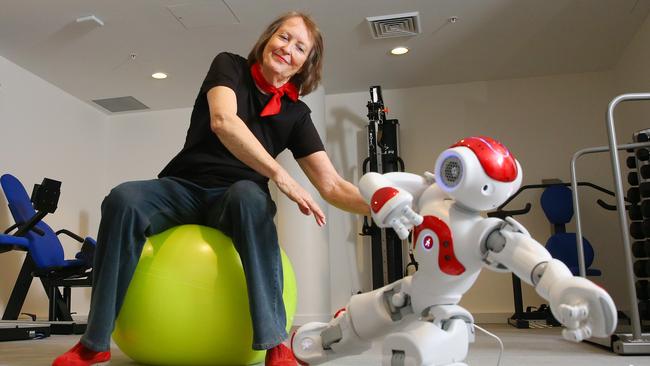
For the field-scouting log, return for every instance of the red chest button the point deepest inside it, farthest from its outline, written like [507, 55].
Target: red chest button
[427, 242]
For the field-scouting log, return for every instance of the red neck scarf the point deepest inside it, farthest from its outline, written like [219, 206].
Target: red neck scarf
[273, 106]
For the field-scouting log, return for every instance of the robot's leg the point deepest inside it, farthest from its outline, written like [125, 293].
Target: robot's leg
[423, 343]
[367, 316]
[315, 343]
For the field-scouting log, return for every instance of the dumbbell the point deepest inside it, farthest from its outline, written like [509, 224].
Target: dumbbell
[636, 230]
[642, 268]
[642, 290]
[644, 309]
[634, 212]
[644, 189]
[645, 228]
[630, 162]
[645, 208]
[633, 195]
[645, 171]
[641, 249]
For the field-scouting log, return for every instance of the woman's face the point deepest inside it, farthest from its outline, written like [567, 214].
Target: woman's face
[287, 49]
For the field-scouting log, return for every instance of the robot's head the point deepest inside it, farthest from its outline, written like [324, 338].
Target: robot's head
[478, 172]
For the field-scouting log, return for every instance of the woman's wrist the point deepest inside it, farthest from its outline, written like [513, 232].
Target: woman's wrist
[278, 174]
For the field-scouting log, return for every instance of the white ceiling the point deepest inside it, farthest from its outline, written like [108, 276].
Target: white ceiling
[493, 39]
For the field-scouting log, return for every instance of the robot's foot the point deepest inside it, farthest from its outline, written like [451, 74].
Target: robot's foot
[425, 344]
[307, 345]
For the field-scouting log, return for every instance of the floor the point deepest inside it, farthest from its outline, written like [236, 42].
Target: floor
[523, 347]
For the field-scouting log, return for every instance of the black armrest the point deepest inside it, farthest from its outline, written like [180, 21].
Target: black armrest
[17, 225]
[502, 214]
[11, 228]
[70, 234]
[609, 207]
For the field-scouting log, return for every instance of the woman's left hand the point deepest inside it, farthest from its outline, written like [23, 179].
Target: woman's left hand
[299, 195]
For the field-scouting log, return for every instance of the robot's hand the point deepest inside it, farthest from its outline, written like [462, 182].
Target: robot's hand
[584, 308]
[391, 207]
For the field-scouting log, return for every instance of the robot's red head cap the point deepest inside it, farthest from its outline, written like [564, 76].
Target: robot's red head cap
[496, 160]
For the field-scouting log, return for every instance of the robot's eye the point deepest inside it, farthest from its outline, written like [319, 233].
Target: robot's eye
[452, 171]
[487, 189]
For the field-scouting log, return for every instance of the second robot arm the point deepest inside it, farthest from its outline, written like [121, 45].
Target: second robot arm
[581, 306]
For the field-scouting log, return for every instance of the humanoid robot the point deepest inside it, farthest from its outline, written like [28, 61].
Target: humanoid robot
[417, 319]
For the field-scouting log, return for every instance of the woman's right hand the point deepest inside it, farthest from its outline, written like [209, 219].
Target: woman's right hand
[299, 195]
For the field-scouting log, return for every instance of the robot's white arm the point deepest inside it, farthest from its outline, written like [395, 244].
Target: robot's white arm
[391, 199]
[584, 308]
[510, 247]
[411, 183]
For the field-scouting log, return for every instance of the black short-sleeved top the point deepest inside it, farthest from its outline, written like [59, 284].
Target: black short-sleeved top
[205, 161]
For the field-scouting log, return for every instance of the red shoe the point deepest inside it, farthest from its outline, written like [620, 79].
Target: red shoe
[280, 355]
[79, 355]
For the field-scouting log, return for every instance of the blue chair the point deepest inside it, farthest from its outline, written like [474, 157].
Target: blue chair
[45, 256]
[9, 242]
[557, 203]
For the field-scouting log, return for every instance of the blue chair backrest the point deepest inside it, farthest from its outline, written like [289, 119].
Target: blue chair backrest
[557, 203]
[562, 246]
[46, 250]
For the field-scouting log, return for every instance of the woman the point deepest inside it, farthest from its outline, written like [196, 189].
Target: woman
[246, 113]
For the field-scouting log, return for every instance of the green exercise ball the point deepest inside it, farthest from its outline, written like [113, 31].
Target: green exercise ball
[187, 303]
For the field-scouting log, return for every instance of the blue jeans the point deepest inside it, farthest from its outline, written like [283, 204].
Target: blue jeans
[135, 210]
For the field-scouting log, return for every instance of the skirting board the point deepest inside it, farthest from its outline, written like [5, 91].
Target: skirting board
[480, 318]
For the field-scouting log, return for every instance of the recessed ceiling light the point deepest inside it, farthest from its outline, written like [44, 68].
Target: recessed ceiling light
[399, 50]
[159, 75]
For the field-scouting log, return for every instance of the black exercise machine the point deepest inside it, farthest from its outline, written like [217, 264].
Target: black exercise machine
[44, 259]
[383, 157]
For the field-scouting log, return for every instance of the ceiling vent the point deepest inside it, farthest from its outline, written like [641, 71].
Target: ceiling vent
[395, 25]
[121, 104]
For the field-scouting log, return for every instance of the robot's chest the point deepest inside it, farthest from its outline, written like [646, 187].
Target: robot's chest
[443, 247]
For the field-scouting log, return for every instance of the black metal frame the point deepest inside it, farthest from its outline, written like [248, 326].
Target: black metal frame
[383, 157]
[59, 308]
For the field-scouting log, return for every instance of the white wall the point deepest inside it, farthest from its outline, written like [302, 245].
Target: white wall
[45, 132]
[139, 145]
[632, 71]
[633, 76]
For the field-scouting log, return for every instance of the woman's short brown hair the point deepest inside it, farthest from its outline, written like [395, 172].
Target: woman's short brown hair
[308, 78]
